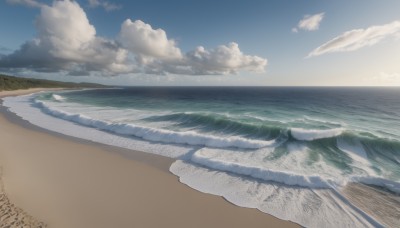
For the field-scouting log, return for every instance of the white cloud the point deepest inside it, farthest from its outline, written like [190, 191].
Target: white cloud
[30, 3]
[65, 27]
[159, 55]
[358, 38]
[108, 6]
[309, 22]
[142, 39]
[225, 59]
[67, 42]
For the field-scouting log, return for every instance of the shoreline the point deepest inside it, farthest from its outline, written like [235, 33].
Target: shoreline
[19, 92]
[69, 182]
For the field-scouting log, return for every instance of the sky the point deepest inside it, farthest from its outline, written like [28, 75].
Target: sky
[210, 43]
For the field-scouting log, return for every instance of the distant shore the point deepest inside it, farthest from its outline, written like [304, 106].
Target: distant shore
[6, 93]
[68, 182]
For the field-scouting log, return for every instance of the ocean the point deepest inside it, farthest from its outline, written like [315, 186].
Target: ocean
[320, 157]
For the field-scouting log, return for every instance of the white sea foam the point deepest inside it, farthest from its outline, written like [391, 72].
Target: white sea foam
[263, 173]
[355, 149]
[58, 97]
[312, 134]
[357, 153]
[305, 206]
[157, 135]
[22, 107]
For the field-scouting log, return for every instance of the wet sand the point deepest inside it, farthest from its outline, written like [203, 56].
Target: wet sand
[382, 205]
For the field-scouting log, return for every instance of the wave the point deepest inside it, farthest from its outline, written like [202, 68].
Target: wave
[263, 173]
[312, 134]
[382, 155]
[326, 122]
[221, 123]
[287, 177]
[305, 206]
[58, 98]
[157, 135]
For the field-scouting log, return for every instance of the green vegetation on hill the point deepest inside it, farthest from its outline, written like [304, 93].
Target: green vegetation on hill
[14, 83]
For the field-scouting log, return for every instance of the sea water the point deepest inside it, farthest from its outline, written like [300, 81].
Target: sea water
[290, 152]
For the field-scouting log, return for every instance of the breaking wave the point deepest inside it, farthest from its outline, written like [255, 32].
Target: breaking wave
[312, 134]
[58, 97]
[263, 173]
[157, 135]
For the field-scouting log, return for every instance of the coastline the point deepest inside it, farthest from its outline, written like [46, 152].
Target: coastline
[7, 93]
[70, 182]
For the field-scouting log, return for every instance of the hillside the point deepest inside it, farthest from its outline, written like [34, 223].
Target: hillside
[14, 83]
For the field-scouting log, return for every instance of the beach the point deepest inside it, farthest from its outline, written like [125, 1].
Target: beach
[64, 181]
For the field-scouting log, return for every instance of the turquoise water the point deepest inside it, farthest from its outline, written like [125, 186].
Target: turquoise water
[311, 142]
[325, 121]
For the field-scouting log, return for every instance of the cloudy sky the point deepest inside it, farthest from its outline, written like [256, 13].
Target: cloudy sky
[181, 42]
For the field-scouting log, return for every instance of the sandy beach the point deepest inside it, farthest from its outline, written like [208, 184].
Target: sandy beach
[67, 182]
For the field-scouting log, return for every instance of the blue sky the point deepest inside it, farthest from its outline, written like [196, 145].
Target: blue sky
[266, 52]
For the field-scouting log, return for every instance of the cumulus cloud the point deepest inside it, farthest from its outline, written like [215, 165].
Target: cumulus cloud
[358, 38]
[225, 59]
[30, 3]
[108, 6]
[67, 42]
[141, 38]
[309, 22]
